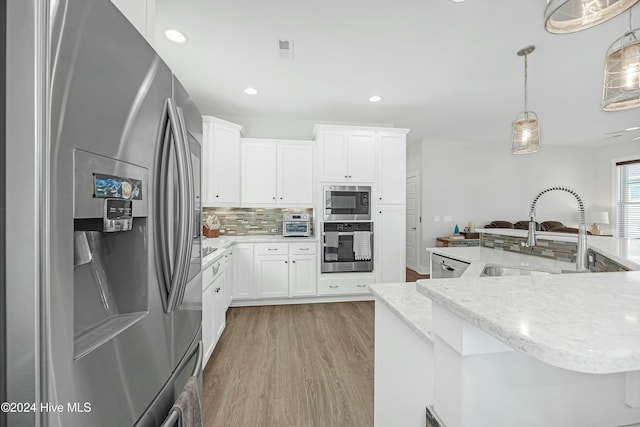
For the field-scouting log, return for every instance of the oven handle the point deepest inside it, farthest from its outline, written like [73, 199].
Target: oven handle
[345, 233]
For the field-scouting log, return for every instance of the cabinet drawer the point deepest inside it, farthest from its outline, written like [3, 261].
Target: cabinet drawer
[302, 248]
[344, 286]
[213, 271]
[271, 248]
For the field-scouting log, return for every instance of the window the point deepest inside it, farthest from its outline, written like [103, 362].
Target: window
[629, 198]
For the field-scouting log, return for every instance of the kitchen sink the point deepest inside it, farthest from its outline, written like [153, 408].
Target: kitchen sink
[491, 270]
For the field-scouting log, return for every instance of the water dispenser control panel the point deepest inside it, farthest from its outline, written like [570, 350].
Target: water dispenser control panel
[117, 215]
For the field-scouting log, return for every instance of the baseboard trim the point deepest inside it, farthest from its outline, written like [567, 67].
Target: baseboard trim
[308, 300]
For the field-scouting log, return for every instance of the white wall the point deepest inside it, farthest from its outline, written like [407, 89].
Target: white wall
[605, 185]
[414, 157]
[141, 13]
[485, 182]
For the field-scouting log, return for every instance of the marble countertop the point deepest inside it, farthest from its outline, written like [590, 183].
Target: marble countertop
[479, 257]
[411, 307]
[621, 250]
[581, 322]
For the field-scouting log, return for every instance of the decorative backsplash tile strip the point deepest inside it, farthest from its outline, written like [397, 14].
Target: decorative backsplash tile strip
[603, 264]
[251, 221]
[561, 251]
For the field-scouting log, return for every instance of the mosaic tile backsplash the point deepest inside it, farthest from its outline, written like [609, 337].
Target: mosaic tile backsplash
[251, 221]
[561, 251]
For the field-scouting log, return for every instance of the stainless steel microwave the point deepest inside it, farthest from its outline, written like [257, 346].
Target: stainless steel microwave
[347, 203]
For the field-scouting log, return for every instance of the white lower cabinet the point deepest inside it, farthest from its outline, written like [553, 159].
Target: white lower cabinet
[302, 275]
[274, 270]
[271, 273]
[213, 305]
[339, 284]
[243, 287]
[390, 259]
[229, 279]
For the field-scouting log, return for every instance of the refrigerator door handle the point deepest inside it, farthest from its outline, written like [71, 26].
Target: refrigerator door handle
[174, 416]
[180, 269]
[190, 208]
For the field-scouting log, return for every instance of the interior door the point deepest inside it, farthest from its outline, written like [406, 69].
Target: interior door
[413, 222]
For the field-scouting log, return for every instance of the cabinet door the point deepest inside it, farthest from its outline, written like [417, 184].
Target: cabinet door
[259, 173]
[392, 155]
[243, 283]
[228, 282]
[272, 275]
[207, 175]
[208, 313]
[333, 156]
[295, 175]
[219, 313]
[225, 164]
[302, 275]
[362, 157]
[390, 244]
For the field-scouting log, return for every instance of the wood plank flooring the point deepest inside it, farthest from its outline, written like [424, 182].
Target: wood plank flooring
[293, 365]
[412, 276]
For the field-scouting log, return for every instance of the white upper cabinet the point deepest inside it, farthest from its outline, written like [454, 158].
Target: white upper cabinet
[361, 156]
[220, 163]
[347, 154]
[259, 173]
[392, 168]
[277, 173]
[333, 156]
[295, 174]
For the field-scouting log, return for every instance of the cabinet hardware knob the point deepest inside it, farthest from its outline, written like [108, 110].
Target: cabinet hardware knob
[349, 176]
[362, 286]
[280, 198]
[217, 196]
[334, 287]
[274, 198]
[379, 212]
[286, 262]
[346, 176]
[379, 198]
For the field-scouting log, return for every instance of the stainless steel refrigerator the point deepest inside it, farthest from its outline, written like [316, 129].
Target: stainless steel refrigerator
[101, 303]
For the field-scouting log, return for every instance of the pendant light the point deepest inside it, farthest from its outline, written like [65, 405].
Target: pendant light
[622, 73]
[526, 131]
[569, 16]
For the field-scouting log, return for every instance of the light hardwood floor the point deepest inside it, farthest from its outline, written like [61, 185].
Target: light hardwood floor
[292, 365]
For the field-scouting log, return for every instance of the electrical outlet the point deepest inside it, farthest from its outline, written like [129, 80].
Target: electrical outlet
[436, 218]
[448, 218]
[274, 230]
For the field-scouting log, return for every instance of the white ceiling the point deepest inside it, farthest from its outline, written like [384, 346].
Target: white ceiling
[448, 71]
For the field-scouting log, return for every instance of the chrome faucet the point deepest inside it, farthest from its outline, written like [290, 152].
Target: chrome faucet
[582, 259]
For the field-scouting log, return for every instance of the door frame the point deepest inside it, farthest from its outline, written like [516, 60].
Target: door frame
[418, 254]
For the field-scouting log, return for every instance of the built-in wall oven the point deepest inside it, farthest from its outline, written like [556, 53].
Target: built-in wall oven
[347, 247]
[347, 203]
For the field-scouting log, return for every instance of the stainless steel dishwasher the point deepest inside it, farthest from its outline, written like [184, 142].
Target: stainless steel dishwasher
[446, 268]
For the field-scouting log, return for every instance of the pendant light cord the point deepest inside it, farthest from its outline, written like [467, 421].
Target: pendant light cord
[525, 82]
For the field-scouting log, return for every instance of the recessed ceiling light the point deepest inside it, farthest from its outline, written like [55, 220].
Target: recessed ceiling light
[250, 91]
[375, 98]
[175, 36]
[457, 1]
[633, 128]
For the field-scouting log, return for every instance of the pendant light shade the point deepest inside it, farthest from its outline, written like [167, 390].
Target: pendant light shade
[622, 73]
[526, 128]
[569, 16]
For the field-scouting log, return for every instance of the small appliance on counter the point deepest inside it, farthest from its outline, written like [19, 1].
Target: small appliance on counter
[296, 225]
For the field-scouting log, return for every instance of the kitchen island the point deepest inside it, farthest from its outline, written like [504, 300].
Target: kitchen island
[552, 350]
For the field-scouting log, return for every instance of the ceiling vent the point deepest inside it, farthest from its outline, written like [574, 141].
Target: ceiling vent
[285, 49]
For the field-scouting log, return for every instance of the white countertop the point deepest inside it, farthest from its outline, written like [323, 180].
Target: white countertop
[411, 307]
[621, 250]
[582, 322]
[478, 257]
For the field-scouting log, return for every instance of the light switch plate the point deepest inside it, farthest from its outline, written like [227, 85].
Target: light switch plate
[448, 218]
[436, 218]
